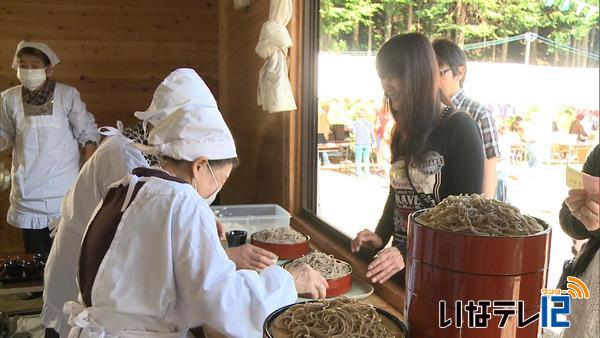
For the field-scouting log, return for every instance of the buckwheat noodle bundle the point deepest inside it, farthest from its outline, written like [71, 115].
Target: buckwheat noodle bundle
[338, 318]
[328, 266]
[475, 214]
[282, 235]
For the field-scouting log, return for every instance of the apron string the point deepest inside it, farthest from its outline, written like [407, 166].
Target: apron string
[111, 131]
[133, 180]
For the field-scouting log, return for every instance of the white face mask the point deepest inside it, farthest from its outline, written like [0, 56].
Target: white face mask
[31, 78]
[212, 197]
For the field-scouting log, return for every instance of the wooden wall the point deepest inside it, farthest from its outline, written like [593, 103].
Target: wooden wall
[261, 138]
[114, 51]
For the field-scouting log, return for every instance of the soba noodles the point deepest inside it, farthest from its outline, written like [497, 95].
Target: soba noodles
[337, 318]
[281, 235]
[328, 266]
[475, 214]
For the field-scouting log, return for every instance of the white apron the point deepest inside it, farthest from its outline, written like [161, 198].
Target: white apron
[166, 271]
[113, 160]
[84, 321]
[45, 158]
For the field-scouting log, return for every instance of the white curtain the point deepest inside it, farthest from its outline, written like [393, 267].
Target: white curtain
[274, 89]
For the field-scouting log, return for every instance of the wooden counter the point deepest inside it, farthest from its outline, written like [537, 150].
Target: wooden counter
[324, 243]
[24, 287]
[373, 299]
[379, 302]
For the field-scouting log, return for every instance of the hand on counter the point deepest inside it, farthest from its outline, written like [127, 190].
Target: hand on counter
[387, 263]
[309, 282]
[366, 238]
[251, 257]
[585, 209]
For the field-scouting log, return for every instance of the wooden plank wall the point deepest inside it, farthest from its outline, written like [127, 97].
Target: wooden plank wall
[261, 138]
[115, 52]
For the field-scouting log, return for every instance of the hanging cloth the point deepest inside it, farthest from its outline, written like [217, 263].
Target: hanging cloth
[274, 88]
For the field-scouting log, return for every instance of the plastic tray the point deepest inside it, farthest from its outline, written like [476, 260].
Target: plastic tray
[252, 217]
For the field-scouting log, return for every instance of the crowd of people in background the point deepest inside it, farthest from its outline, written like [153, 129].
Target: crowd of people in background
[520, 138]
[516, 134]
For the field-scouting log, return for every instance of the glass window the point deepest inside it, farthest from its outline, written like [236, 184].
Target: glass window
[517, 72]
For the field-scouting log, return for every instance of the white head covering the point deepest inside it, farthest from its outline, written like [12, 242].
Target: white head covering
[193, 131]
[37, 45]
[183, 86]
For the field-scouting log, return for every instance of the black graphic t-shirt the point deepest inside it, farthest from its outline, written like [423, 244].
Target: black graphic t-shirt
[453, 165]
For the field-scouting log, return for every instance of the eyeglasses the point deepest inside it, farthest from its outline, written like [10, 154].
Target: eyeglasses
[442, 72]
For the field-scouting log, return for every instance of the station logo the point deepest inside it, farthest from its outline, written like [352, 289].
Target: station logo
[553, 304]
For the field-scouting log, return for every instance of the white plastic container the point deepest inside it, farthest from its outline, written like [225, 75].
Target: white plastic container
[252, 217]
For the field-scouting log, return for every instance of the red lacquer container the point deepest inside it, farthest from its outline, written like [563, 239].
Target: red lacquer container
[284, 251]
[442, 265]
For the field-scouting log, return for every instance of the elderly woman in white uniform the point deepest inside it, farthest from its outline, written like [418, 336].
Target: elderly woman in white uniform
[151, 262]
[46, 123]
[116, 158]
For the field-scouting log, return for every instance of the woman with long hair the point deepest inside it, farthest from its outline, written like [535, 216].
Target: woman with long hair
[436, 151]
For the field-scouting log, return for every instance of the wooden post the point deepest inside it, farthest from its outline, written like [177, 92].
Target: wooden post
[527, 46]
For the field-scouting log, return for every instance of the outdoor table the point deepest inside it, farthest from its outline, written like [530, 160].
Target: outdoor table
[343, 148]
[572, 152]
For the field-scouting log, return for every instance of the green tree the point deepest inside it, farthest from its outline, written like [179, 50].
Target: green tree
[366, 24]
[340, 17]
[459, 20]
[390, 9]
[568, 27]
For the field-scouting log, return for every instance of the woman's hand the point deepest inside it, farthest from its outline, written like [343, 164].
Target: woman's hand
[576, 199]
[220, 229]
[251, 257]
[583, 208]
[592, 222]
[309, 282]
[387, 263]
[366, 238]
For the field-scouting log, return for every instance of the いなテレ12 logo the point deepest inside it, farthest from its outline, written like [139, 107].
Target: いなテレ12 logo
[553, 304]
[556, 302]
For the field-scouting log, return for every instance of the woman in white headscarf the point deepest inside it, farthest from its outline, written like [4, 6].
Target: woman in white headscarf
[115, 158]
[151, 262]
[47, 125]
